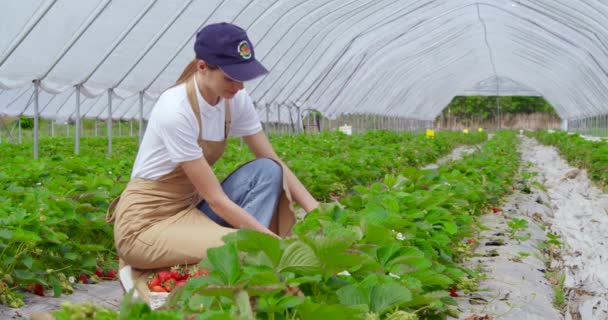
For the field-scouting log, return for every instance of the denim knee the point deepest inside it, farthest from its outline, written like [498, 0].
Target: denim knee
[267, 169]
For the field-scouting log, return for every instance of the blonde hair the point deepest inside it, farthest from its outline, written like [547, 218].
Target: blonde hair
[190, 70]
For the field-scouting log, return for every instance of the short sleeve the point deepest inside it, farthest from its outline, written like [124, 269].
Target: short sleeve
[245, 119]
[179, 135]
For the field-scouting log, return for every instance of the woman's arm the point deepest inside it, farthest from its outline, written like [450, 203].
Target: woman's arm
[207, 185]
[261, 148]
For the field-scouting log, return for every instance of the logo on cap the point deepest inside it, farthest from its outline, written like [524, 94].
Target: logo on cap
[244, 50]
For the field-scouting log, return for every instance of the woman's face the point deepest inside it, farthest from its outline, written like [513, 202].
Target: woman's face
[218, 82]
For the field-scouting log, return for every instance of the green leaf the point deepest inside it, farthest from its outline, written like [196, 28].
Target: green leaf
[20, 235]
[353, 295]
[24, 274]
[225, 262]
[28, 262]
[56, 284]
[73, 256]
[449, 227]
[315, 311]
[379, 293]
[200, 303]
[263, 281]
[385, 296]
[216, 315]
[307, 279]
[430, 278]
[6, 234]
[288, 302]
[219, 290]
[300, 259]
[386, 253]
[377, 234]
[253, 241]
[89, 262]
[279, 304]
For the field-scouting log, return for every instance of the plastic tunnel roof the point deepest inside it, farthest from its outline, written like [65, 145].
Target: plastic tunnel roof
[390, 57]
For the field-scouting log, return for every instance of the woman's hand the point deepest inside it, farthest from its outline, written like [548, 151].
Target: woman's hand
[204, 180]
[261, 148]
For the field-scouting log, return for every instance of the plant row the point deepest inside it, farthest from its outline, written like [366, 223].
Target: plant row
[52, 211]
[581, 153]
[389, 250]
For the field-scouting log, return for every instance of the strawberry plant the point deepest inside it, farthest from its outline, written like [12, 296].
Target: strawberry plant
[391, 246]
[52, 215]
[590, 155]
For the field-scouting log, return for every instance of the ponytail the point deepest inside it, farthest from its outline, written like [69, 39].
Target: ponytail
[188, 72]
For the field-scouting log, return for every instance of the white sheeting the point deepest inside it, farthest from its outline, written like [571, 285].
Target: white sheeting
[579, 214]
[389, 57]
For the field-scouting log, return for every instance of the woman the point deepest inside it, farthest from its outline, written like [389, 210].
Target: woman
[174, 207]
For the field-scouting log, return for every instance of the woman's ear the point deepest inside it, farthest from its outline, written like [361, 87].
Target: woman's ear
[201, 65]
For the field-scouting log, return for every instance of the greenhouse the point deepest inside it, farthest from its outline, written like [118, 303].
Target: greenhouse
[434, 159]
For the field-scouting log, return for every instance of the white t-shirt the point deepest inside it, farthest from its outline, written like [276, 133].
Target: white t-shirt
[171, 135]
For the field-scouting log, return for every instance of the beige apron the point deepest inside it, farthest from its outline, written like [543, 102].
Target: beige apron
[156, 222]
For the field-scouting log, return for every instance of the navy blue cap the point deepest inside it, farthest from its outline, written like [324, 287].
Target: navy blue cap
[228, 47]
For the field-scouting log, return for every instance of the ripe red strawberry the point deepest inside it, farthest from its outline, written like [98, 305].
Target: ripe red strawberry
[453, 292]
[39, 290]
[471, 241]
[158, 289]
[83, 278]
[111, 275]
[495, 210]
[164, 276]
[99, 273]
[185, 275]
[169, 285]
[154, 282]
[175, 274]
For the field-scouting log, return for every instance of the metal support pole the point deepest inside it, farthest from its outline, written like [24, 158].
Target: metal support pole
[308, 121]
[36, 116]
[141, 116]
[291, 124]
[299, 119]
[96, 127]
[268, 118]
[19, 130]
[109, 122]
[131, 127]
[279, 118]
[77, 133]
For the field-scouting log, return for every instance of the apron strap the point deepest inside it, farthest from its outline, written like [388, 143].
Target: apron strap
[227, 119]
[110, 216]
[194, 104]
[191, 92]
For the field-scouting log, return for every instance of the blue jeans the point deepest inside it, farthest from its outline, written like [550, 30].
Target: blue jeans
[256, 187]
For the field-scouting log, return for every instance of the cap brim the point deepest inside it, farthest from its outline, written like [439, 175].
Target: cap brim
[244, 71]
